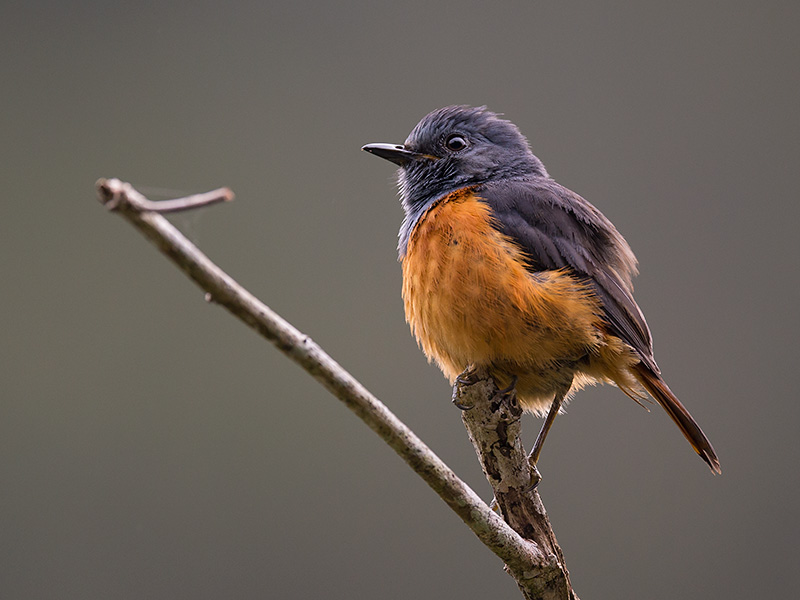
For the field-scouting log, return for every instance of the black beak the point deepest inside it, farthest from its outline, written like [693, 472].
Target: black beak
[394, 153]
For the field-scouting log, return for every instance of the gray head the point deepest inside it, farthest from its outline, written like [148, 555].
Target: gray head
[454, 147]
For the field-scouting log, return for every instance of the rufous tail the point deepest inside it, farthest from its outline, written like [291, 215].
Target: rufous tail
[659, 390]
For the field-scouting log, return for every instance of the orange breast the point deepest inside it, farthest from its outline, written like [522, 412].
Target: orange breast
[470, 300]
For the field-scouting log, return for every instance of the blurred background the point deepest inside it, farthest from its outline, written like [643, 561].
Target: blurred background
[153, 447]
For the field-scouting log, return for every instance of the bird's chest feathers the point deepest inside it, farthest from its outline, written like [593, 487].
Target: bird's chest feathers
[469, 297]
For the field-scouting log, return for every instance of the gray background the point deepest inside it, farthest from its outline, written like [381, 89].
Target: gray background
[153, 447]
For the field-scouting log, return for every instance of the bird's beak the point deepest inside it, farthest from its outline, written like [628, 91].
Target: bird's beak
[395, 153]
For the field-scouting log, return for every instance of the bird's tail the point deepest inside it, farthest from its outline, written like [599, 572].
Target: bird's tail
[659, 390]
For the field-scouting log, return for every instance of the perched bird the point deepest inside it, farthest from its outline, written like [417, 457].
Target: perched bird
[506, 270]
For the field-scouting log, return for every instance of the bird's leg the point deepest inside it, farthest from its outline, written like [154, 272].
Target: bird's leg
[533, 457]
[465, 378]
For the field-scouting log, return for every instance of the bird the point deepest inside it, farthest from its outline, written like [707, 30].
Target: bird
[508, 271]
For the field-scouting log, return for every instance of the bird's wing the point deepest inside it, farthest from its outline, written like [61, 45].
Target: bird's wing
[557, 229]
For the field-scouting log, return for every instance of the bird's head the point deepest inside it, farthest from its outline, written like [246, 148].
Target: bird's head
[454, 147]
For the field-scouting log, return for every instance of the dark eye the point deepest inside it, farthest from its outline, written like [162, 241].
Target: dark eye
[456, 142]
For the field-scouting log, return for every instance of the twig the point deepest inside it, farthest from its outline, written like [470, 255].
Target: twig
[116, 191]
[533, 563]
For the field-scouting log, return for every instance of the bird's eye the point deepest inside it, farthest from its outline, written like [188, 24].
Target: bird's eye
[456, 142]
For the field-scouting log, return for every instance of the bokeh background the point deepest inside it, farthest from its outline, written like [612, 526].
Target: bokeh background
[153, 447]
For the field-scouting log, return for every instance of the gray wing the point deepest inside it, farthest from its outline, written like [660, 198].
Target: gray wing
[556, 229]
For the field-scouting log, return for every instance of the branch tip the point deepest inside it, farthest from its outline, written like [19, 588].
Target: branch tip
[114, 193]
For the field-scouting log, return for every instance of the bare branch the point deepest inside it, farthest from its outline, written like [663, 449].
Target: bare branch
[115, 191]
[535, 563]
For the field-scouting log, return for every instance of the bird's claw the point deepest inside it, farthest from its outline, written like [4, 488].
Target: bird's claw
[457, 401]
[510, 388]
[536, 477]
[465, 378]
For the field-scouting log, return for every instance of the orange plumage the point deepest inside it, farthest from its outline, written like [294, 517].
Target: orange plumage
[470, 301]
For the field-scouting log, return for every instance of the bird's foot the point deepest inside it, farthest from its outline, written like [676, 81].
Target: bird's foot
[536, 477]
[466, 378]
[510, 389]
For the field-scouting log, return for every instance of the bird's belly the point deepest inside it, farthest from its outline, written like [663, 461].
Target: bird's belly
[470, 301]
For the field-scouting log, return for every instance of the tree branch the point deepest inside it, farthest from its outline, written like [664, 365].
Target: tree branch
[536, 563]
[493, 424]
